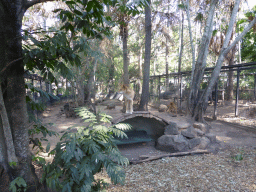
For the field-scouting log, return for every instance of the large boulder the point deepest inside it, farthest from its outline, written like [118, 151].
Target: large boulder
[162, 108]
[199, 132]
[203, 127]
[205, 142]
[172, 143]
[194, 142]
[190, 133]
[211, 137]
[187, 134]
[171, 129]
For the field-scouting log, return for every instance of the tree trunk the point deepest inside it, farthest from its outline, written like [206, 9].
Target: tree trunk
[145, 87]
[167, 81]
[180, 56]
[224, 51]
[125, 53]
[230, 86]
[140, 67]
[191, 38]
[80, 86]
[90, 84]
[7, 131]
[14, 99]
[201, 60]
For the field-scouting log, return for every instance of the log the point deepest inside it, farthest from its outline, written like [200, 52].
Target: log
[146, 158]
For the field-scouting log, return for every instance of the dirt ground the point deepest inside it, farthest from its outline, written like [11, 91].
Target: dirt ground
[226, 134]
[229, 135]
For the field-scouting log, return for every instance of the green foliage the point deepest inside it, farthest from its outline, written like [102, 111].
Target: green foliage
[37, 105]
[79, 156]
[49, 54]
[12, 164]
[18, 185]
[85, 16]
[37, 142]
[246, 95]
[248, 42]
[238, 157]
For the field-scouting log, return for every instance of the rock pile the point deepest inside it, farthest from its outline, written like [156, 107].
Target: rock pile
[195, 136]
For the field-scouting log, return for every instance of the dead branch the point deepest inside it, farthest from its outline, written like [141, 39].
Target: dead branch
[146, 158]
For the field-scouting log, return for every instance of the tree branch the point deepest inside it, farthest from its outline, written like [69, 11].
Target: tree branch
[7, 133]
[241, 35]
[33, 2]
[10, 64]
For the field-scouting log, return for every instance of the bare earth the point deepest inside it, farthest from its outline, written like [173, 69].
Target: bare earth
[231, 169]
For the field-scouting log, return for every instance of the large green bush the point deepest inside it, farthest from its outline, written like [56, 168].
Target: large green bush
[82, 154]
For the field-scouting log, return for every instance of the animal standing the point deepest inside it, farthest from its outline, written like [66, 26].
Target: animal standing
[172, 107]
[128, 95]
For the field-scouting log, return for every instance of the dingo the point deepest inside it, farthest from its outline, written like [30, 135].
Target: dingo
[129, 95]
[172, 107]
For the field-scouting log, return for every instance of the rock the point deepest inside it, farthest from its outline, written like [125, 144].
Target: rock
[183, 125]
[189, 133]
[203, 127]
[111, 106]
[162, 108]
[199, 132]
[194, 142]
[171, 129]
[211, 137]
[172, 143]
[204, 143]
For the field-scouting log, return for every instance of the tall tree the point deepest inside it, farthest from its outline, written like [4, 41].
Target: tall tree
[145, 87]
[12, 75]
[201, 59]
[13, 86]
[201, 105]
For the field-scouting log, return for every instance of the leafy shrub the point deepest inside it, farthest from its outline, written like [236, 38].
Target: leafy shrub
[35, 140]
[79, 156]
[18, 185]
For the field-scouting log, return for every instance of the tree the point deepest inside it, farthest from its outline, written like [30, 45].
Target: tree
[248, 42]
[199, 104]
[201, 60]
[145, 86]
[13, 86]
[12, 76]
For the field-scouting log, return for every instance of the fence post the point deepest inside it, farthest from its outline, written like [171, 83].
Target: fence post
[180, 92]
[237, 91]
[254, 91]
[159, 85]
[215, 101]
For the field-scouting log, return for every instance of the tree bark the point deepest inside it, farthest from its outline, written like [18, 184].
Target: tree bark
[201, 60]
[125, 53]
[80, 86]
[7, 131]
[230, 86]
[145, 87]
[191, 38]
[180, 56]
[90, 83]
[224, 51]
[167, 65]
[11, 14]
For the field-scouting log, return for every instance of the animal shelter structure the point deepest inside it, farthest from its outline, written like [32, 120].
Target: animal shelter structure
[241, 76]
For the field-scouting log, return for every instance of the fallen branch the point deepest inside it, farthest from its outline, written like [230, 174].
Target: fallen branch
[146, 158]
